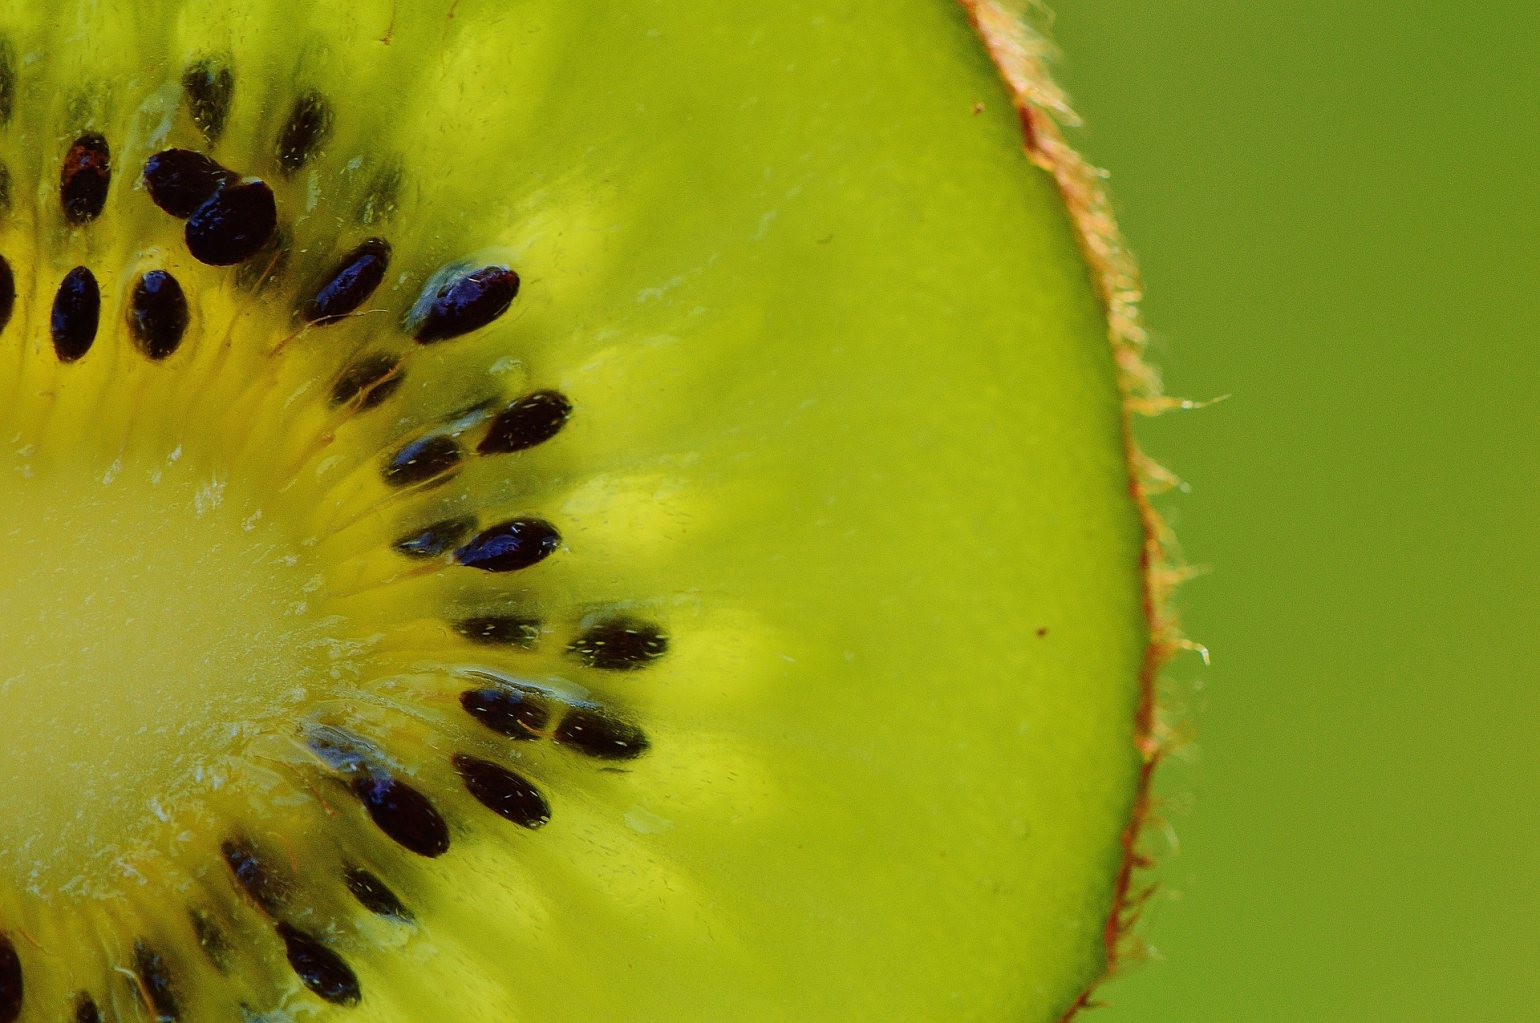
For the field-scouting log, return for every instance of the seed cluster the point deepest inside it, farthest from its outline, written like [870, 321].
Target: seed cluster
[234, 219]
[230, 220]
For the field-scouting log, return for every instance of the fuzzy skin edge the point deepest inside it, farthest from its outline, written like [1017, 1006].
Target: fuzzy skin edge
[1021, 54]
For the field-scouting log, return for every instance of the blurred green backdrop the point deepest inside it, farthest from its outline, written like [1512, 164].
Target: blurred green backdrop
[1337, 209]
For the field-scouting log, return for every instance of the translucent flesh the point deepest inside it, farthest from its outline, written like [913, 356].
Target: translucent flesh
[846, 426]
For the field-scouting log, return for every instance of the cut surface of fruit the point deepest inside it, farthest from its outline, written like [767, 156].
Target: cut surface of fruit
[551, 512]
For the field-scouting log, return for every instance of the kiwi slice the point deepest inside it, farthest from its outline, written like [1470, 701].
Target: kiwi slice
[551, 511]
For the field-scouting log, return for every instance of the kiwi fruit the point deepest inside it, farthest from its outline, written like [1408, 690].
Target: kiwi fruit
[550, 511]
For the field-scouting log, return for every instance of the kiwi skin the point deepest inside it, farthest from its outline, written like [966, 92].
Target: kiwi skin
[1021, 53]
[515, 698]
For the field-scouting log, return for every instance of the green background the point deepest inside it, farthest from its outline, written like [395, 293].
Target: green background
[1335, 207]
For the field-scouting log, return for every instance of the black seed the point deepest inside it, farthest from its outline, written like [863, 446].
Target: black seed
[404, 814]
[309, 123]
[532, 419]
[181, 180]
[500, 630]
[350, 282]
[77, 306]
[436, 539]
[7, 292]
[233, 225]
[593, 732]
[84, 178]
[209, 86]
[510, 546]
[155, 979]
[267, 890]
[375, 377]
[157, 314]
[7, 81]
[319, 968]
[373, 894]
[422, 460]
[503, 792]
[620, 644]
[10, 981]
[510, 713]
[211, 939]
[465, 304]
[85, 1009]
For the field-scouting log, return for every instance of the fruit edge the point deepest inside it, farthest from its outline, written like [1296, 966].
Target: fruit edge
[1020, 53]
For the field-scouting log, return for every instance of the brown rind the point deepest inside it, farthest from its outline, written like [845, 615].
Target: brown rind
[1020, 53]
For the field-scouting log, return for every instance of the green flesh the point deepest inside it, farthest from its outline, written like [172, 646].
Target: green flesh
[847, 427]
